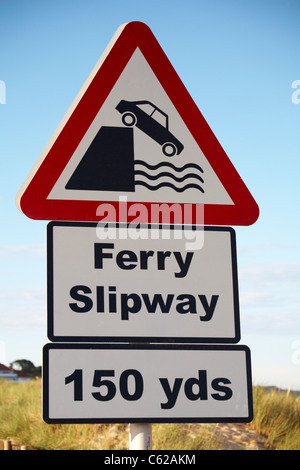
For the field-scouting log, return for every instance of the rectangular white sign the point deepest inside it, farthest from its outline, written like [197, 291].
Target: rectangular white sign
[142, 285]
[99, 383]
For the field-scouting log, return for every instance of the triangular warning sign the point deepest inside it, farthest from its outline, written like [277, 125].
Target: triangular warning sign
[134, 133]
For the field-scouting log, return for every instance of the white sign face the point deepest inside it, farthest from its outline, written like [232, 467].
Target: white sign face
[140, 383]
[131, 124]
[132, 287]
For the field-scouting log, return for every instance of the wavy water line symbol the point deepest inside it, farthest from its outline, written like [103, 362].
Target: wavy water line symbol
[150, 175]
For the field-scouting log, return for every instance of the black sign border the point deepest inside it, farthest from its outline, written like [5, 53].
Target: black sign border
[138, 339]
[137, 347]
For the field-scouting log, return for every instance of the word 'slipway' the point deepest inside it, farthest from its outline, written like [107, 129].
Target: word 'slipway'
[134, 303]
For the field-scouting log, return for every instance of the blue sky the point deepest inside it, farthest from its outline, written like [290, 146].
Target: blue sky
[238, 60]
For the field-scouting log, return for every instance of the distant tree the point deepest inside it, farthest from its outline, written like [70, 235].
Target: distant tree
[27, 367]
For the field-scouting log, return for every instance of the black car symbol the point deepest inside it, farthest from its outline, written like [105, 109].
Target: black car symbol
[151, 120]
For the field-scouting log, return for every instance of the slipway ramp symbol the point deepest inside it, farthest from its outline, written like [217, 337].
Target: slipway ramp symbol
[109, 164]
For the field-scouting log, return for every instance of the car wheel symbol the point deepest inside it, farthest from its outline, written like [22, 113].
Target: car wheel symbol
[169, 149]
[129, 119]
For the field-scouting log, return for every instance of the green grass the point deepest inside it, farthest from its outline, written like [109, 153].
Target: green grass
[276, 415]
[181, 437]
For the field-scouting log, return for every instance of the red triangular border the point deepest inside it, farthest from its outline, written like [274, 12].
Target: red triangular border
[32, 197]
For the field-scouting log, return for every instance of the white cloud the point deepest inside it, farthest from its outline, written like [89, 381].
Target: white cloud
[289, 377]
[27, 249]
[23, 308]
[270, 297]
[272, 273]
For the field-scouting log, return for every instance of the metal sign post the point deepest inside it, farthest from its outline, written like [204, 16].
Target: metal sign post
[140, 436]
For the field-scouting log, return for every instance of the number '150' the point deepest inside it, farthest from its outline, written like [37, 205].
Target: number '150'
[108, 388]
